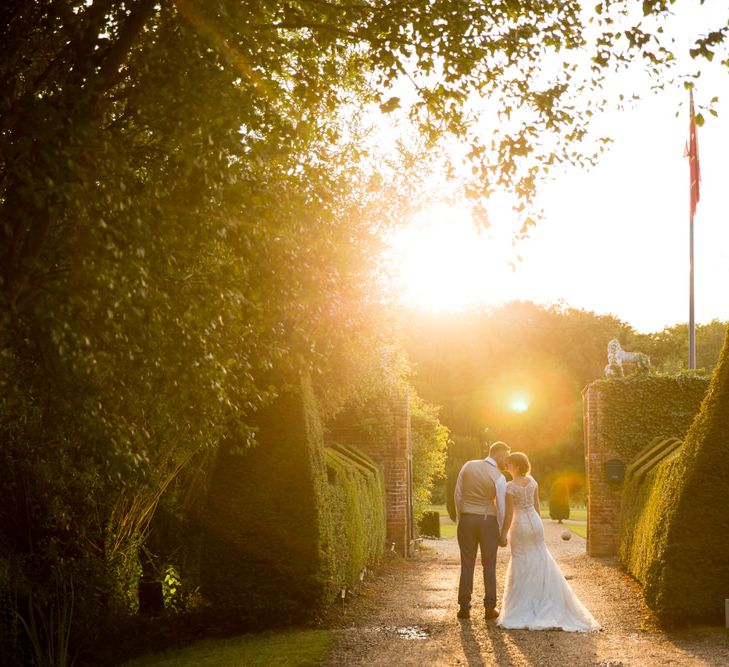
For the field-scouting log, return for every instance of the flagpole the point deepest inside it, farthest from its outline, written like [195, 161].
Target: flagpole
[692, 152]
[692, 334]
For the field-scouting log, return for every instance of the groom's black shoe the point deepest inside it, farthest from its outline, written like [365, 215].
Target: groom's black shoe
[463, 613]
[491, 613]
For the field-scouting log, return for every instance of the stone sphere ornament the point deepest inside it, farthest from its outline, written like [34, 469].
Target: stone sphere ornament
[566, 535]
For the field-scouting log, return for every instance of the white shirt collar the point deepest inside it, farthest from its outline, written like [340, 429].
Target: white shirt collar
[491, 461]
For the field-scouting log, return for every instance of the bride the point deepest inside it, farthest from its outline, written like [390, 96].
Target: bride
[536, 594]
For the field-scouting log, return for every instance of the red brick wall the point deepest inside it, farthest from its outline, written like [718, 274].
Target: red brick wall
[397, 464]
[603, 497]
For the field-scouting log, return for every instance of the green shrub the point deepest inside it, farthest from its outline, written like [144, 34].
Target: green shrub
[356, 506]
[265, 525]
[430, 442]
[679, 517]
[646, 503]
[288, 523]
[657, 450]
[429, 524]
[559, 501]
[693, 579]
[644, 479]
[438, 492]
[639, 407]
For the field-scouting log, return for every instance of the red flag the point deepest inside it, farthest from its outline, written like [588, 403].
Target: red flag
[692, 153]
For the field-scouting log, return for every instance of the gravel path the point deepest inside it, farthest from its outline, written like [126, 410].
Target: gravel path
[407, 616]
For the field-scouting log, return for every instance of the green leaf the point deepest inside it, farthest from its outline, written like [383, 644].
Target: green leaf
[390, 105]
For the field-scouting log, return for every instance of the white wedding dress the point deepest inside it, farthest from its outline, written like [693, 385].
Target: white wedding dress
[536, 594]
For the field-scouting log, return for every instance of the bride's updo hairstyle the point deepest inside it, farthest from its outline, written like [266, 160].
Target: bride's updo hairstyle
[521, 461]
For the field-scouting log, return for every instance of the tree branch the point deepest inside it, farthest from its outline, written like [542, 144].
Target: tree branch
[109, 71]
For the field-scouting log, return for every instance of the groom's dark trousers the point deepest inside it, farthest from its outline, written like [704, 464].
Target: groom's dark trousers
[476, 531]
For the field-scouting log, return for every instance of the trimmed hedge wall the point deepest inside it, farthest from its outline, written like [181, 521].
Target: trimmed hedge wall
[679, 517]
[647, 501]
[693, 579]
[657, 450]
[264, 546]
[641, 407]
[287, 524]
[357, 513]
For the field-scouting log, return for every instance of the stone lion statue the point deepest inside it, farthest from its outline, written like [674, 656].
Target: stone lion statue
[621, 362]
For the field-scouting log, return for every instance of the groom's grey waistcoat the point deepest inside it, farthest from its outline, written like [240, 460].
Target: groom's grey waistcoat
[478, 488]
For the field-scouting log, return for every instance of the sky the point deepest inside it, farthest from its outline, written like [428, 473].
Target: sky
[614, 239]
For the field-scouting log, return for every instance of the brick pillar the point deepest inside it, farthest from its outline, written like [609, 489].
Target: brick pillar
[397, 465]
[603, 497]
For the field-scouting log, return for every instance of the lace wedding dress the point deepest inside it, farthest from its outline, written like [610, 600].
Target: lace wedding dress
[536, 594]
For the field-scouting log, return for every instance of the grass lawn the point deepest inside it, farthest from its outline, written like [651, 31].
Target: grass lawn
[576, 513]
[579, 529]
[284, 649]
[448, 527]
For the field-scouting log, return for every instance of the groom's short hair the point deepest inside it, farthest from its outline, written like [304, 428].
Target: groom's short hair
[498, 447]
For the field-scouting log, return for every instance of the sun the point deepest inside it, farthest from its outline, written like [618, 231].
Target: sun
[442, 262]
[520, 404]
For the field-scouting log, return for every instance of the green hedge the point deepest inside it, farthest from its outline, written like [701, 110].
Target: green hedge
[559, 501]
[657, 450]
[264, 544]
[357, 514]
[647, 500]
[287, 523]
[693, 580]
[644, 508]
[429, 524]
[640, 407]
[679, 518]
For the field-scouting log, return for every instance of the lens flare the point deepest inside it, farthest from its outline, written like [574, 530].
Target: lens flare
[532, 405]
[520, 405]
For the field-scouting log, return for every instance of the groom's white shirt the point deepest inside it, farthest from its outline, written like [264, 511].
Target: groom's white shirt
[499, 505]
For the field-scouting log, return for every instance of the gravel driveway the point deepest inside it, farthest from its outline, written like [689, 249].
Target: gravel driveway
[407, 616]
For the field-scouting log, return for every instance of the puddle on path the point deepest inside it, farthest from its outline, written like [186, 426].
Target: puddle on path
[405, 632]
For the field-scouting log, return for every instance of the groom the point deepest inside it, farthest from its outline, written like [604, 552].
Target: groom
[480, 499]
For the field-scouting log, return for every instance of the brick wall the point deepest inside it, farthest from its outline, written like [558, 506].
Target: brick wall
[397, 464]
[394, 453]
[603, 497]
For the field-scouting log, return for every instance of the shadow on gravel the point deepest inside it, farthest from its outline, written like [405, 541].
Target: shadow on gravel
[542, 647]
[470, 645]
